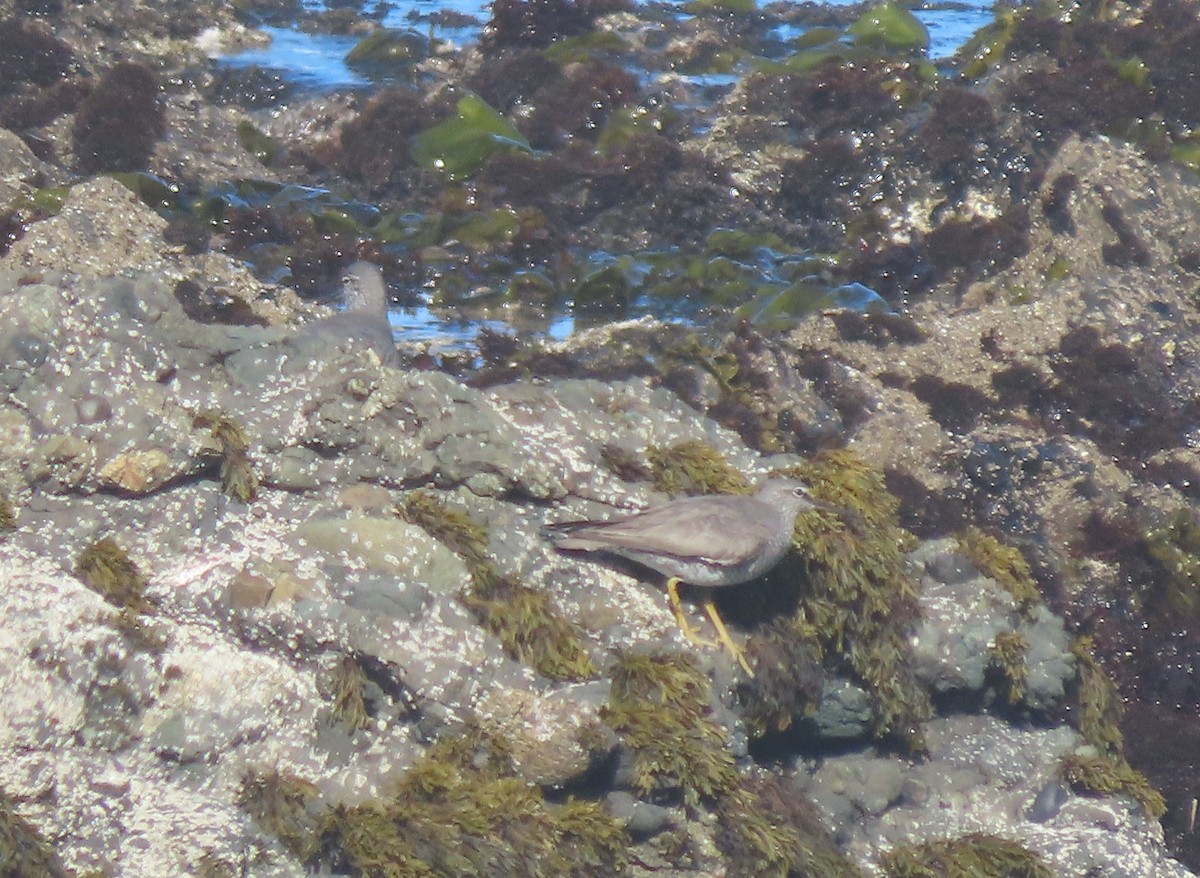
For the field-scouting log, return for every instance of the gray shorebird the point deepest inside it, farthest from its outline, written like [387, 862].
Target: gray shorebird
[711, 541]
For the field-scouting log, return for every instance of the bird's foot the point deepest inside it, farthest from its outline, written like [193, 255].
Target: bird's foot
[723, 633]
[690, 631]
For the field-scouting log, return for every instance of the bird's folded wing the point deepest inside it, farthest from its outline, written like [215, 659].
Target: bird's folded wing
[682, 531]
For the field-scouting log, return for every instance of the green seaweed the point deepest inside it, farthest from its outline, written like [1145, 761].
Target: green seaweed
[152, 190]
[755, 845]
[262, 146]
[1100, 705]
[738, 7]
[1004, 564]
[461, 810]
[742, 244]
[976, 855]
[1112, 776]
[781, 308]
[622, 124]
[659, 704]
[694, 467]
[1175, 550]
[238, 479]
[106, 569]
[23, 851]
[532, 630]
[891, 27]
[285, 806]
[989, 44]
[859, 598]
[459, 146]
[484, 231]
[387, 50]
[605, 289]
[349, 706]
[530, 627]
[584, 47]
[1059, 269]
[788, 677]
[1007, 655]
[8, 514]
[456, 530]
[1187, 153]
[768, 832]
[39, 204]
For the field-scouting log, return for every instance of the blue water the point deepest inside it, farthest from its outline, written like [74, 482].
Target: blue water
[316, 61]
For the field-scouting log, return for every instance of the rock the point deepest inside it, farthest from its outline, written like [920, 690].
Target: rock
[389, 546]
[960, 621]
[640, 818]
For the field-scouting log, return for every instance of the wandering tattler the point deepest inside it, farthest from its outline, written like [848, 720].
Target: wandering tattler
[710, 541]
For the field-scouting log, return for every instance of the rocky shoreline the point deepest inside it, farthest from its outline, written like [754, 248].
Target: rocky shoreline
[277, 605]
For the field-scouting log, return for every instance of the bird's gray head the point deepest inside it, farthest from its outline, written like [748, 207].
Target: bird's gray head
[789, 495]
[364, 289]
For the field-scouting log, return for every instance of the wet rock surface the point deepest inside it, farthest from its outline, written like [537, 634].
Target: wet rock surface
[276, 596]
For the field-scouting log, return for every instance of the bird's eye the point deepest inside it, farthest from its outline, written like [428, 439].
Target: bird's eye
[799, 492]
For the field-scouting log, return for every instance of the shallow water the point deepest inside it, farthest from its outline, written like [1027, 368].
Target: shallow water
[314, 61]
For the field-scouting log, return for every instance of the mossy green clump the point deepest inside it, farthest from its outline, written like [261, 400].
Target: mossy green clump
[106, 569]
[660, 705]
[459, 146]
[349, 706]
[262, 146]
[456, 530]
[860, 600]
[1175, 550]
[524, 619]
[1007, 655]
[890, 26]
[768, 832]
[532, 630]
[285, 806]
[624, 464]
[694, 467]
[23, 851]
[39, 204]
[1112, 776]
[1100, 706]
[238, 479]
[1004, 564]
[977, 855]
[8, 514]
[462, 810]
[744, 401]
[788, 677]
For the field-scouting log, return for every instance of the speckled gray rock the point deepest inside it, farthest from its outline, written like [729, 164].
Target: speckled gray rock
[122, 752]
[386, 545]
[983, 775]
[962, 612]
[844, 712]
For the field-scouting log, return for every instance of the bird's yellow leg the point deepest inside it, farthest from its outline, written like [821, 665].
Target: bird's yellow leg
[690, 631]
[723, 634]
